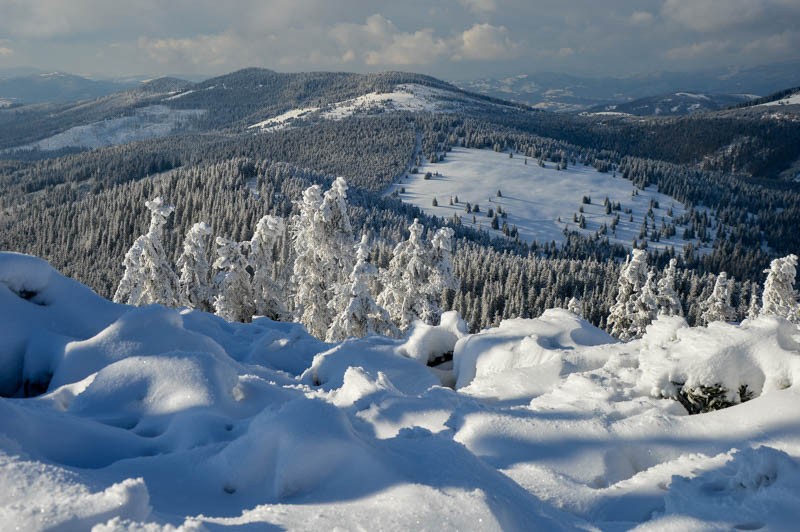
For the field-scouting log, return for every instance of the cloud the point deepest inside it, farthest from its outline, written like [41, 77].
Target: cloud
[641, 18]
[5, 51]
[714, 15]
[787, 41]
[479, 6]
[382, 43]
[483, 42]
[698, 50]
[201, 50]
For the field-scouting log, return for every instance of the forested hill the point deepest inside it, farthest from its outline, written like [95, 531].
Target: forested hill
[238, 146]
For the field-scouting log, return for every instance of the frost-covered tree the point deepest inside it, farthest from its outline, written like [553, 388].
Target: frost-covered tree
[754, 309]
[310, 277]
[409, 274]
[441, 280]
[268, 296]
[779, 297]
[361, 315]
[717, 306]
[149, 277]
[645, 307]
[669, 304]
[194, 268]
[622, 314]
[574, 306]
[234, 292]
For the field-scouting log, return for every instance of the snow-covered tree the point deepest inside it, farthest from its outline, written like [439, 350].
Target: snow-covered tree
[669, 304]
[148, 276]
[323, 241]
[194, 268]
[312, 291]
[234, 292]
[268, 295]
[717, 306]
[754, 309]
[404, 294]
[645, 307]
[779, 297]
[574, 306]
[361, 315]
[441, 280]
[621, 317]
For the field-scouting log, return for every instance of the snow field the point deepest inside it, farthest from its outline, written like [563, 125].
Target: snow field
[540, 201]
[154, 418]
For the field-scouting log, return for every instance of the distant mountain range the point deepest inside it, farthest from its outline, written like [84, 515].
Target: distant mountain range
[59, 87]
[674, 104]
[567, 92]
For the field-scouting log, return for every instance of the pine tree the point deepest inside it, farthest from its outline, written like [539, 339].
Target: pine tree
[622, 314]
[717, 307]
[312, 292]
[779, 297]
[148, 276]
[361, 315]
[234, 292]
[195, 268]
[645, 307]
[405, 282]
[669, 304]
[269, 299]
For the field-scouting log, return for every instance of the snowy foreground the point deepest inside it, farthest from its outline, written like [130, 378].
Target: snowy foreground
[161, 418]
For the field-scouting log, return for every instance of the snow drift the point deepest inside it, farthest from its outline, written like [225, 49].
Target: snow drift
[123, 418]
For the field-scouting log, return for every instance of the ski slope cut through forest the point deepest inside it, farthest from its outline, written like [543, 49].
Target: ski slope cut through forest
[142, 418]
[542, 201]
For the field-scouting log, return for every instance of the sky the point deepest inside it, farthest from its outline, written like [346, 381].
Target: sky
[453, 39]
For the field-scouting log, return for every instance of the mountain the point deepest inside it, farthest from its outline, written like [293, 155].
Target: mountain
[571, 92]
[674, 104]
[55, 87]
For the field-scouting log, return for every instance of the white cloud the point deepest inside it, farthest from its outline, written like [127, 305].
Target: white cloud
[485, 42]
[5, 51]
[201, 50]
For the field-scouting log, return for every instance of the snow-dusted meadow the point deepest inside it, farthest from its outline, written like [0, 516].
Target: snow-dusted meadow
[540, 202]
[165, 417]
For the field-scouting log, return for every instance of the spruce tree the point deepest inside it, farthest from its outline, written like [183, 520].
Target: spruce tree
[194, 268]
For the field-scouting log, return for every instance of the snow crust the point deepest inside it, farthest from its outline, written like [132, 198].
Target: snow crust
[535, 198]
[160, 419]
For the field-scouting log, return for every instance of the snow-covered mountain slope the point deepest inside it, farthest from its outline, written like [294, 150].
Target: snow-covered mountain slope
[147, 122]
[152, 417]
[792, 99]
[404, 97]
[540, 202]
[674, 104]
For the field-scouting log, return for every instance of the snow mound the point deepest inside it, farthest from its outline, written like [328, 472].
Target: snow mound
[527, 357]
[755, 489]
[151, 418]
[761, 355]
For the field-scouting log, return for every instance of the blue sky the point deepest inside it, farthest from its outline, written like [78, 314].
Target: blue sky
[451, 38]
